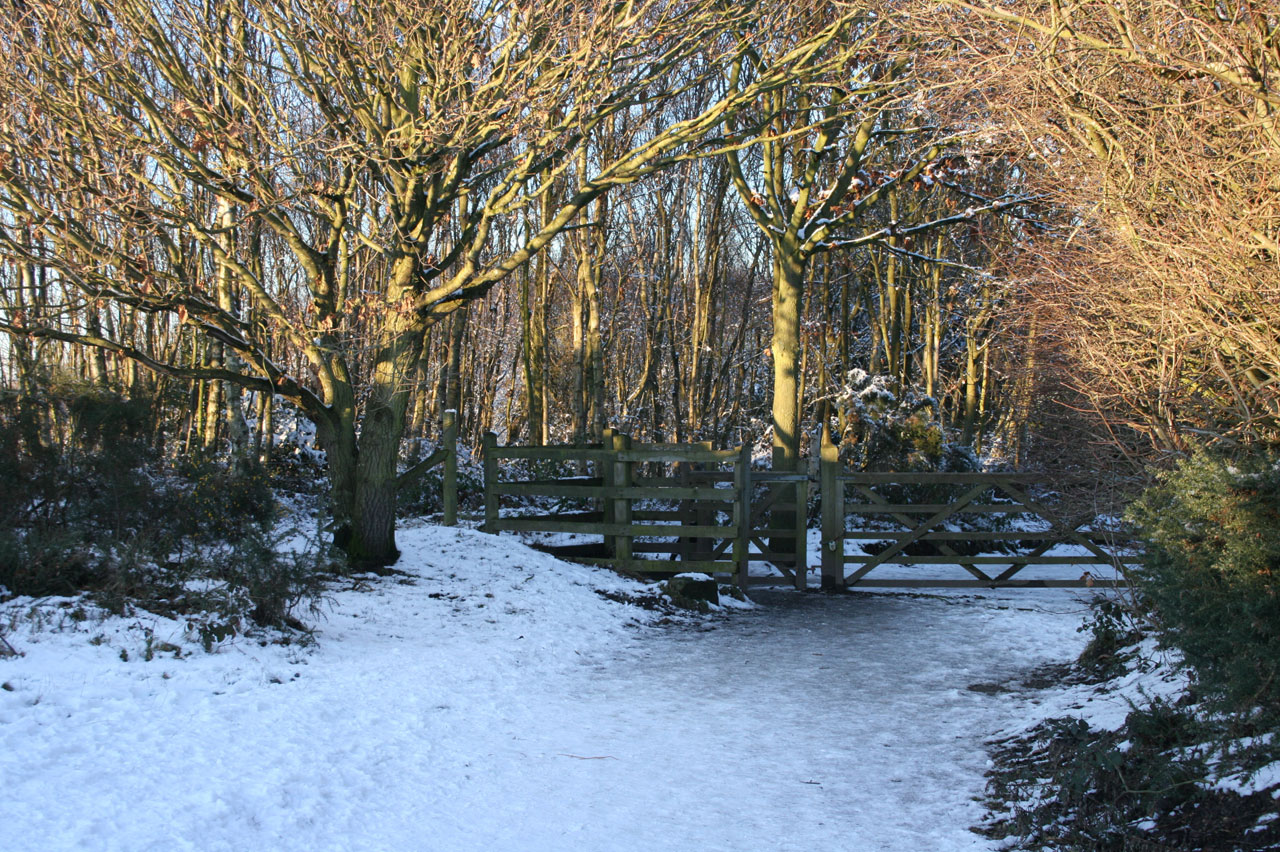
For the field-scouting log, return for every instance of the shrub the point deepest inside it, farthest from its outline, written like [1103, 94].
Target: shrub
[1212, 528]
[425, 494]
[1066, 786]
[223, 502]
[1115, 626]
[55, 561]
[89, 506]
[274, 582]
[1208, 588]
[889, 428]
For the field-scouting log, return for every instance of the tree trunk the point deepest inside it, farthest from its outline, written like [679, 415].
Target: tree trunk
[237, 428]
[588, 421]
[788, 302]
[578, 426]
[362, 470]
[593, 356]
[212, 398]
[97, 357]
[971, 380]
[533, 317]
[453, 370]
[788, 306]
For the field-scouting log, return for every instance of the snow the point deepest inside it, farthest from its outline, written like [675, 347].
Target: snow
[1105, 706]
[490, 698]
[1246, 784]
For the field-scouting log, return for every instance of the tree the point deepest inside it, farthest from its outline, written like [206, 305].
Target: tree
[1155, 126]
[376, 147]
[827, 174]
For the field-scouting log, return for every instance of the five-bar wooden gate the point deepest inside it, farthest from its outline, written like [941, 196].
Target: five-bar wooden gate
[650, 508]
[987, 524]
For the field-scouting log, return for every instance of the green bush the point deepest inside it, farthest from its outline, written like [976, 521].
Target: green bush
[1115, 626]
[1212, 574]
[56, 561]
[1065, 786]
[1208, 587]
[275, 582]
[91, 506]
[224, 503]
[425, 494]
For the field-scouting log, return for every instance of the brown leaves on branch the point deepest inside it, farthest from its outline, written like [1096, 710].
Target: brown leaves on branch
[1153, 126]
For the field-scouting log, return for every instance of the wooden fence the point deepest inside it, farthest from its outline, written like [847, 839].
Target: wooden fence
[668, 508]
[964, 519]
[649, 508]
[446, 457]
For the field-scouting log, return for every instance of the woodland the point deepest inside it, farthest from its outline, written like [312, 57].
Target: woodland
[257, 248]
[1039, 234]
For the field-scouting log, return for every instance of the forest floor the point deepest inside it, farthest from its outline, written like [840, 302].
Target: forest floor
[490, 697]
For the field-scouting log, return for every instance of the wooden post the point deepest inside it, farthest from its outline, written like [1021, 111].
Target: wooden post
[801, 566]
[490, 482]
[742, 518]
[607, 471]
[688, 512]
[622, 505]
[696, 512]
[450, 496]
[832, 495]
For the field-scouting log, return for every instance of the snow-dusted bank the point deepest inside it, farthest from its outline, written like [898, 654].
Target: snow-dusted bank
[493, 699]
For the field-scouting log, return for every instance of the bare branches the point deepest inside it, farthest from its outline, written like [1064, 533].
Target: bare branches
[324, 182]
[1154, 125]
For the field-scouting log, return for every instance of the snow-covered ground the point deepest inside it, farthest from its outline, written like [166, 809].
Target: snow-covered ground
[493, 700]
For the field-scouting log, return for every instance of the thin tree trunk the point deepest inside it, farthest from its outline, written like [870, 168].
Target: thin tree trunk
[532, 329]
[237, 428]
[788, 303]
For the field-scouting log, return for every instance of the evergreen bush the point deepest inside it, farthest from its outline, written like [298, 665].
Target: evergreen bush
[425, 494]
[1212, 528]
[91, 506]
[224, 502]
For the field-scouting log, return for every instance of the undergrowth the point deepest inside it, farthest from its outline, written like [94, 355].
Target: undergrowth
[1161, 781]
[1198, 772]
[96, 509]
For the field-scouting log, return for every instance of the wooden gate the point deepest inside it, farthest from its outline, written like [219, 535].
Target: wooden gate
[988, 524]
[627, 504]
[669, 508]
[650, 508]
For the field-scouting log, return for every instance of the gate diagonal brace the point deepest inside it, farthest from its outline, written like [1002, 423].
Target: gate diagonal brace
[773, 493]
[757, 512]
[1065, 528]
[907, 521]
[769, 556]
[919, 532]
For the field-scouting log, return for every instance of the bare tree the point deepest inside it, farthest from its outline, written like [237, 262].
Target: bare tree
[827, 175]
[378, 145]
[1155, 124]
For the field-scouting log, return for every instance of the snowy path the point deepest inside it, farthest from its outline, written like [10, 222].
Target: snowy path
[498, 703]
[817, 723]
